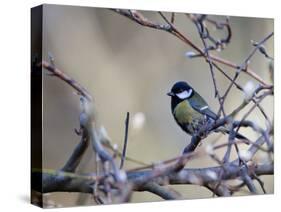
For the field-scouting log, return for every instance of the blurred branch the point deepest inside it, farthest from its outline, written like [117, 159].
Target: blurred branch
[243, 66]
[59, 181]
[248, 180]
[161, 191]
[109, 183]
[262, 50]
[77, 154]
[218, 189]
[125, 140]
[201, 29]
[137, 17]
[73, 83]
[89, 133]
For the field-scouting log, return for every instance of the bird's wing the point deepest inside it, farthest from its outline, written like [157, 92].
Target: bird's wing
[202, 107]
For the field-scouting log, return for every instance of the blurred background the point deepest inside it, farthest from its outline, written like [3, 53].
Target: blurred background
[130, 68]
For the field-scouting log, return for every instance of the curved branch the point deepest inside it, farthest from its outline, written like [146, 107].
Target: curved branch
[73, 83]
[170, 27]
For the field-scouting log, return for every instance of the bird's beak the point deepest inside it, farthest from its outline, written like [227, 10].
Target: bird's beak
[171, 94]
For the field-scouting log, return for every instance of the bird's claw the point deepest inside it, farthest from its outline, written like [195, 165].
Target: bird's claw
[78, 131]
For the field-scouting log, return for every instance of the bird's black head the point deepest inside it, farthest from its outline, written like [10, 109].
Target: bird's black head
[181, 91]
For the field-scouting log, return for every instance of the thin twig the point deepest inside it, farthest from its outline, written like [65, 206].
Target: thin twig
[169, 27]
[243, 66]
[172, 17]
[125, 140]
[63, 76]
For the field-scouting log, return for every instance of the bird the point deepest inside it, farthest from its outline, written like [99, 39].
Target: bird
[191, 111]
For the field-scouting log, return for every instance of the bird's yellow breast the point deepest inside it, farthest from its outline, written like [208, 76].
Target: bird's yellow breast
[184, 113]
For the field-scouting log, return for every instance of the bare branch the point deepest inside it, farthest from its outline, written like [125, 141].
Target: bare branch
[108, 183]
[125, 140]
[77, 154]
[59, 181]
[170, 27]
[161, 191]
[74, 84]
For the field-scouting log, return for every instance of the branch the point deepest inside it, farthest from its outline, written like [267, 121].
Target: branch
[244, 66]
[73, 83]
[111, 182]
[88, 127]
[125, 140]
[170, 28]
[218, 189]
[161, 191]
[58, 181]
[88, 123]
[77, 154]
[248, 180]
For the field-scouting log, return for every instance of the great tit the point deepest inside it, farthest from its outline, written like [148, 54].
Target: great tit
[190, 110]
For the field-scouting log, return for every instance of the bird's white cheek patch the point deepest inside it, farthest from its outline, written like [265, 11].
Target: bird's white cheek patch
[184, 94]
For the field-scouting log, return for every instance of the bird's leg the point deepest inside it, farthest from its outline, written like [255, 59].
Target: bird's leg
[78, 131]
[203, 133]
